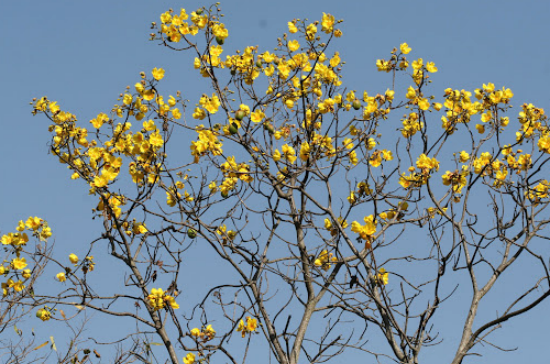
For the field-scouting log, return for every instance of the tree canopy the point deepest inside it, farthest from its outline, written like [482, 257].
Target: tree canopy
[329, 231]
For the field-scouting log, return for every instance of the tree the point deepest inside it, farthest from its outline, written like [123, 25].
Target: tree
[307, 203]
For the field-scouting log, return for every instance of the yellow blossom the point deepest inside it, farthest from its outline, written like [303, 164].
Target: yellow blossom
[158, 73]
[189, 359]
[44, 314]
[293, 45]
[327, 23]
[382, 277]
[19, 263]
[61, 277]
[292, 27]
[405, 49]
[73, 258]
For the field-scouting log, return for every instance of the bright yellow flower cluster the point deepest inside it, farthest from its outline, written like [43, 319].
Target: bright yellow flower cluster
[333, 228]
[532, 119]
[412, 180]
[189, 358]
[44, 313]
[398, 62]
[363, 189]
[325, 260]
[231, 169]
[377, 156]
[16, 270]
[114, 202]
[539, 192]
[247, 328]
[382, 277]
[457, 180]
[426, 166]
[206, 334]
[395, 213]
[432, 211]
[210, 104]
[411, 125]
[100, 164]
[288, 153]
[226, 234]
[208, 143]
[459, 108]
[158, 299]
[366, 231]
[174, 26]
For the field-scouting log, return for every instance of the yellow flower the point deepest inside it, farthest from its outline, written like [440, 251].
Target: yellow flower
[292, 27]
[365, 231]
[382, 276]
[327, 23]
[209, 332]
[199, 113]
[405, 49]
[423, 104]
[426, 164]
[20, 226]
[311, 30]
[464, 157]
[33, 223]
[324, 260]
[304, 151]
[250, 326]
[430, 67]
[158, 299]
[158, 73]
[211, 104]
[139, 228]
[19, 263]
[351, 197]
[411, 93]
[73, 258]
[289, 153]
[149, 94]
[43, 314]
[149, 125]
[61, 277]
[480, 128]
[156, 140]
[171, 302]
[189, 358]
[257, 116]
[293, 45]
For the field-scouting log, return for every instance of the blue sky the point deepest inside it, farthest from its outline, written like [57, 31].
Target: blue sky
[83, 54]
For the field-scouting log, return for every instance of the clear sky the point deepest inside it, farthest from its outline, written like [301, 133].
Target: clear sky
[84, 53]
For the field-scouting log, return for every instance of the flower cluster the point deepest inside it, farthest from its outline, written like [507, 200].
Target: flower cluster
[16, 270]
[366, 231]
[333, 228]
[205, 334]
[382, 277]
[158, 299]
[325, 260]
[247, 328]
